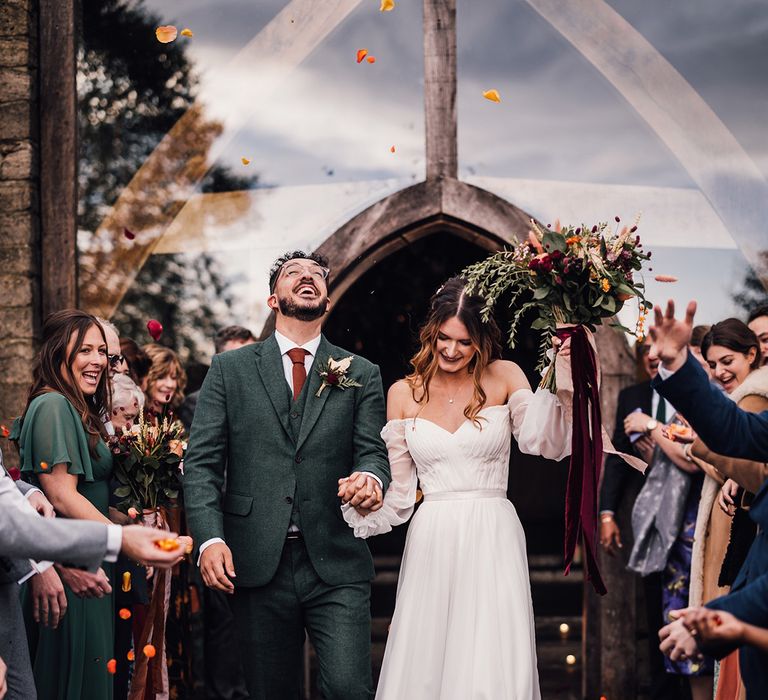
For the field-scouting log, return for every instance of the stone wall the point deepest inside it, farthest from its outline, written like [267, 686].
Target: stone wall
[19, 206]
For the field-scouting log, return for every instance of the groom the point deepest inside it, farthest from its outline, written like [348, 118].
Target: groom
[273, 535]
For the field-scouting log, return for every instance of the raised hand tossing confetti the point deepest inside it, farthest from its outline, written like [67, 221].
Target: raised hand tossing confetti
[387, 6]
[492, 95]
[361, 54]
[187, 32]
[166, 34]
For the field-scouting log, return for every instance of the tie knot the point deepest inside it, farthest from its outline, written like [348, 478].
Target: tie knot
[297, 355]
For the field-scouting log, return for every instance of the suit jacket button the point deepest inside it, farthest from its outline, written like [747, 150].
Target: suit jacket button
[299, 459]
[288, 499]
[294, 414]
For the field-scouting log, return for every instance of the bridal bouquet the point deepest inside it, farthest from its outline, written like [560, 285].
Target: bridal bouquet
[573, 277]
[569, 275]
[147, 463]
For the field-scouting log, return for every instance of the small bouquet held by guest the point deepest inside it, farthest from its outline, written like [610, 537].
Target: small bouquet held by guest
[148, 459]
[573, 277]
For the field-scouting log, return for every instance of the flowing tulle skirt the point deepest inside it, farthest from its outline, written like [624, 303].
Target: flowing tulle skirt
[463, 626]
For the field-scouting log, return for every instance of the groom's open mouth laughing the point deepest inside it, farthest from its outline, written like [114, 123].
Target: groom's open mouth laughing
[306, 290]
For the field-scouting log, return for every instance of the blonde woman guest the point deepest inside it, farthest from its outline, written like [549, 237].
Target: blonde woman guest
[166, 379]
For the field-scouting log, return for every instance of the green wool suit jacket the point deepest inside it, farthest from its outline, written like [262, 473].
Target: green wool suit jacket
[242, 428]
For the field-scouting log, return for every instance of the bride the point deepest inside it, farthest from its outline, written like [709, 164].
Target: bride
[463, 624]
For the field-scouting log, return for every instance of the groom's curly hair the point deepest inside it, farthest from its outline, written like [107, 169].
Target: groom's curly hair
[452, 301]
[274, 271]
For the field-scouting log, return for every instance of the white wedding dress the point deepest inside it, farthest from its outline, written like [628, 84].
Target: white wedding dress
[463, 625]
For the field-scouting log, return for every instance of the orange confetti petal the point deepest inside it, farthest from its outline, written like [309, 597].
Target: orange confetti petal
[131, 655]
[665, 278]
[391, 149]
[166, 34]
[168, 544]
[4, 431]
[361, 54]
[149, 651]
[124, 613]
[43, 465]
[492, 95]
[186, 32]
[133, 513]
[371, 59]
[112, 666]
[126, 581]
[387, 6]
[245, 161]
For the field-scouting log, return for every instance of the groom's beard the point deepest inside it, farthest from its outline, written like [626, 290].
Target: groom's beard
[302, 313]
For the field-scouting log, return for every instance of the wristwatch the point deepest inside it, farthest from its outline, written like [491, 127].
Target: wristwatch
[651, 425]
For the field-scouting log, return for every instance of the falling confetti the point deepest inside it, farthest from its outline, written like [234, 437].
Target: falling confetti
[492, 95]
[133, 513]
[361, 54]
[391, 149]
[187, 32]
[168, 544]
[149, 651]
[387, 5]
[166, 34]
[124, 613]
[371, 59]
[245, 161]
[155, 329]
[130, 235]
[112, 666]
[126, 581]
[4, 431]
[44, 466]
[665, 278]
[131, 655]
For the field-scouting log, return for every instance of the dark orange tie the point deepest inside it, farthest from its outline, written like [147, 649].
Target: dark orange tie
[297, 356]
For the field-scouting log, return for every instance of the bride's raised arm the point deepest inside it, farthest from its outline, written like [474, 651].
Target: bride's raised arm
[400, 498]
[541, 420]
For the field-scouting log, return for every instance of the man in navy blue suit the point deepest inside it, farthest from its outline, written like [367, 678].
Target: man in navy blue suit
[728, 430]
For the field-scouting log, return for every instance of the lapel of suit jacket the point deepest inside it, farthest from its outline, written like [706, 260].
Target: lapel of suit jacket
[314, 404]
[270, 365]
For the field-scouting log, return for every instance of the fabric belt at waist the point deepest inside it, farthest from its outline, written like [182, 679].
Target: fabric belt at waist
[465, 495]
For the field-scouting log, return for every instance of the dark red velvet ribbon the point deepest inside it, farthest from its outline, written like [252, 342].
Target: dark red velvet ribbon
[586, 455]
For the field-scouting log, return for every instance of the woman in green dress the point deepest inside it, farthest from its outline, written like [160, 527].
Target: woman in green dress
[61, 439]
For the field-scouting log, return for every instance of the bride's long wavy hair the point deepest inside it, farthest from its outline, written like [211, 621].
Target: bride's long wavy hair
[452, 301]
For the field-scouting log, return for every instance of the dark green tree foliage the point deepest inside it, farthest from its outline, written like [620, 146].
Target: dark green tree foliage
[130, 95]
[752, 293]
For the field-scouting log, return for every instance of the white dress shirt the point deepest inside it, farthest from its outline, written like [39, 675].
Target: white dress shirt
[286, 344]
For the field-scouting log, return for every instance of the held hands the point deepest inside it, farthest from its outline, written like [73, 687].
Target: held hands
[677, 642]
[717, 632]
[670, 336]
[217, 567]
[362, 492]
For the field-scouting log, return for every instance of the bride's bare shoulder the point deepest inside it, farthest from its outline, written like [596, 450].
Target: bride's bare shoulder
[399, 399]
[509, 373]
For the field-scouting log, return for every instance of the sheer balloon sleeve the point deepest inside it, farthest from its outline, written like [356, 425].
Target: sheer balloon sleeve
[540, 423]
[401, 495]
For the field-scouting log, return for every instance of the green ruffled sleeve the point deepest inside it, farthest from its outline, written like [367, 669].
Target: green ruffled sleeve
[52, 433]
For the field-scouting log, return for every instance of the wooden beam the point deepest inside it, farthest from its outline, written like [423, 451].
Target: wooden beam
[440, 88]
[58, 155]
